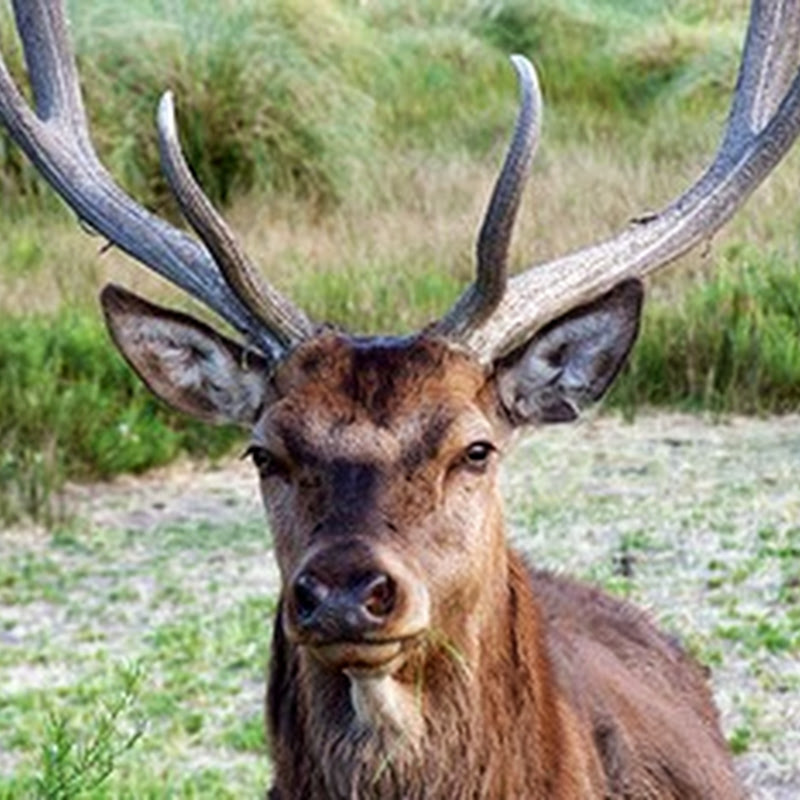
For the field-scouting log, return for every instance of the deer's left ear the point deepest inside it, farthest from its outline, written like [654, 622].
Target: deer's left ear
[573, 360]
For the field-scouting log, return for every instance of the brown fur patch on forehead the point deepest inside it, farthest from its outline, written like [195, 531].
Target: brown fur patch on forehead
[379, 378]
[425, 446]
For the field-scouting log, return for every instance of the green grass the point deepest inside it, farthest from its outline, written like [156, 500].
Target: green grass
[72, 407]
[254, 106]
[730, 344]
[163, 653]
[311, 98]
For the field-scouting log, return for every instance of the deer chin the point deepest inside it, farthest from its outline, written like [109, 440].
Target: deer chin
[385, 705]
[382, 702]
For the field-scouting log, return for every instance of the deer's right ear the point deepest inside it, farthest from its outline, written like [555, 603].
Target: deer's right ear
[186, 363]
[573, 360]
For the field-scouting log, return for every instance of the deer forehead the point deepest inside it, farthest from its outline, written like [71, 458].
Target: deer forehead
[377, 400]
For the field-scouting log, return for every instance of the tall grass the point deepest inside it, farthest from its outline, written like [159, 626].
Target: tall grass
[256, 109]
[732, 343]
[312, 97]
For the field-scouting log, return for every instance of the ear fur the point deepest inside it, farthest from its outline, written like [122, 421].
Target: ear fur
[185, 362]
[573, 360]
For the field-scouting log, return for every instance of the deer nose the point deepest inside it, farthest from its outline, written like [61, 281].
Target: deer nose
[361, 605]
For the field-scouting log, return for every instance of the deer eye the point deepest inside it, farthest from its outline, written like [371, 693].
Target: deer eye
[266, 462]
[477, 455]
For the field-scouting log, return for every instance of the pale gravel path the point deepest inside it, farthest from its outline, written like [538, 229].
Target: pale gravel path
[695, 512]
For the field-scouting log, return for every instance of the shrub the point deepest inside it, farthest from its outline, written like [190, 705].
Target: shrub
[72, 407]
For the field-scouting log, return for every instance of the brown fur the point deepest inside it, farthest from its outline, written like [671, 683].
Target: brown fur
[526, 685]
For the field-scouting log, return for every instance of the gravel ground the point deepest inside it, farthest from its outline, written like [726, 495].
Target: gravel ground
[697, 520]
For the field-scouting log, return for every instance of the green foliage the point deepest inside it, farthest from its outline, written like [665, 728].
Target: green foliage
[75, 762]
[739, 740]
[248, 736]
[78, 750]
[616, 56]
[378, 296]
[731, 343]
[441, 89]
[261, 101]
[71, 406]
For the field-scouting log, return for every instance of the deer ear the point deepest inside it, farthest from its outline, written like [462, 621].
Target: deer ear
[573, 360]
[186, 363]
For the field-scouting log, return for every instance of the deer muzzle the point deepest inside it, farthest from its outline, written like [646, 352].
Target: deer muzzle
[355, 607]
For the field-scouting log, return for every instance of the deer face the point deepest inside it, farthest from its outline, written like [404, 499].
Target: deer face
[378, 460]
[378, 468]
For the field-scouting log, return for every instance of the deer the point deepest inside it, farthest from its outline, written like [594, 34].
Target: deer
[415, 653]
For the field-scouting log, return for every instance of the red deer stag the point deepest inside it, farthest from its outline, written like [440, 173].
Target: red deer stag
[415, 654]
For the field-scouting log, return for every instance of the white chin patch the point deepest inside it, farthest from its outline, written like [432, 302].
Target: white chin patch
[384, 705]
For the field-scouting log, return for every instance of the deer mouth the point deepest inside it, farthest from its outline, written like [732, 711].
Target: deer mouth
[364, 657]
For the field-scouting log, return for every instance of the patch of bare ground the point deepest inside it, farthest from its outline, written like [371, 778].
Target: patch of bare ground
[696, 519]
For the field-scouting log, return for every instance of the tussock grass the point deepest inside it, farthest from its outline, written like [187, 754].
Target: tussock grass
[312, 98]
[254, 106]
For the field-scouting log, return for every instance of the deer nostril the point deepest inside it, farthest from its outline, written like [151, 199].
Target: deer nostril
[379, 596]
[309, 594]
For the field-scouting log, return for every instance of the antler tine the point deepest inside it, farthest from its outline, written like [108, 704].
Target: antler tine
[494, 240]
[56, 140]
[48, 56]
[763, 124]
[288, 323]
[768, 66]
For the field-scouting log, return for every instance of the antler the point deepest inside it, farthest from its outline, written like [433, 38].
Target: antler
[56, 139]
[763, 123]
[278, 314]
[481, 299]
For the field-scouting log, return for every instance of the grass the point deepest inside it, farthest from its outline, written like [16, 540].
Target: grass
[709, 503]
[313, 99]
[73, 408]
[158, 690]
[254, 108]
[731, 344]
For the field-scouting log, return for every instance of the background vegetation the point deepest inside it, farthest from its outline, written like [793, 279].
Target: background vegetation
[354, 145]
